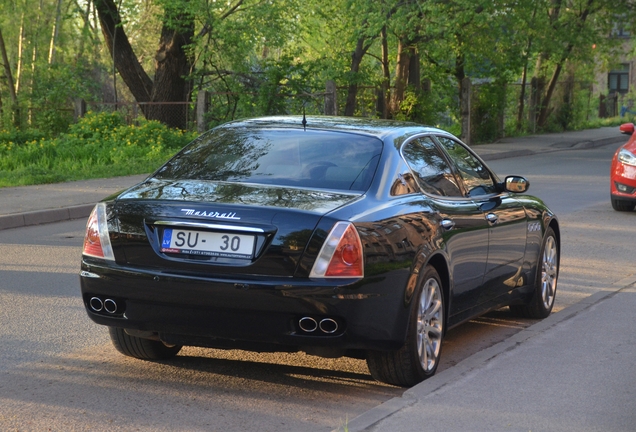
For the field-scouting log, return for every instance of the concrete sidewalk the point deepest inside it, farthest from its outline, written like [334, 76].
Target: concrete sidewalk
[32, 205]
[572, 372]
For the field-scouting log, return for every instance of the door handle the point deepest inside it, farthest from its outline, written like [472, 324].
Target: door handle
[447, 224]
[492, 218]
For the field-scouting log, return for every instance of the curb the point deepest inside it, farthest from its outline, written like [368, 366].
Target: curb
[506, 154]
[366, 421]
[555, 147]
[45, 216]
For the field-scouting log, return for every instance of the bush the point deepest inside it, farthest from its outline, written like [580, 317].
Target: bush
[417, 106]
[488, 105]
[99, 145]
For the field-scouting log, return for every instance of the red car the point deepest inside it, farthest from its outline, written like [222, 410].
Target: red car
[623, 173]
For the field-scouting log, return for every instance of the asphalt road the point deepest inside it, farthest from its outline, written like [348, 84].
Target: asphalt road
[58, 370]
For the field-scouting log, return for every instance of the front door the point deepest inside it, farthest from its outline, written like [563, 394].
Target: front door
[462, 222]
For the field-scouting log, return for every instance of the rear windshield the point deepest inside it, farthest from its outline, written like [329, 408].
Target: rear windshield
[315, 159]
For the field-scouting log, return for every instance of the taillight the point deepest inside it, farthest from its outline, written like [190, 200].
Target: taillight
[97, 239]
[341, 254]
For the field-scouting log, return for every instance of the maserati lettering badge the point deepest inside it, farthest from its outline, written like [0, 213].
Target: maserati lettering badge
[210, 214]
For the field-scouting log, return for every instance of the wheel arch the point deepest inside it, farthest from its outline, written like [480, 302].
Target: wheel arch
[439, 263]
[554, 224]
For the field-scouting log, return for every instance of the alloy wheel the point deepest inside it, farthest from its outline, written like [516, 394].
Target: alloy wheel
[549, 272]
[430, 316]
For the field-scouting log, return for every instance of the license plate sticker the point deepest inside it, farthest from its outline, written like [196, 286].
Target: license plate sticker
[215, 244]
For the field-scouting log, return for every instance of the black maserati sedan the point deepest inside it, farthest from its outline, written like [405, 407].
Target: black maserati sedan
[332, 236]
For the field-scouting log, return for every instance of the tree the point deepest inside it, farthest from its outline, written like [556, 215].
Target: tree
[9, 77]
[173, 62]
[571, 28]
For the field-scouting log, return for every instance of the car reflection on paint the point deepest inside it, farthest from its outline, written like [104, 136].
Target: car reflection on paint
[332, 236]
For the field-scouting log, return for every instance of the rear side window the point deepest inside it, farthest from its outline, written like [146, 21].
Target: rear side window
[315, 159]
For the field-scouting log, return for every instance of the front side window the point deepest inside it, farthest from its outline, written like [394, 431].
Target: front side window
[314, 159]
[476, 177]
[431, 170]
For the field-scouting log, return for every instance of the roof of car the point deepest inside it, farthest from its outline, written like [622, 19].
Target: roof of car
[376, 127]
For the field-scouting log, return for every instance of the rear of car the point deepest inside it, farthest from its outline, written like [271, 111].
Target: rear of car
[623, 173]
[242, 240]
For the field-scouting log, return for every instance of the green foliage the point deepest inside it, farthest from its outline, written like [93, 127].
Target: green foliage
[18, 137]
[488, 105]
[274, 57]
[605, 122]
[52, 99]
[418, 107]
[100, 145]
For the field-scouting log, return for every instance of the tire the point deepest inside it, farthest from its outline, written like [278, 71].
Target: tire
[542, 301]
[144, 349]
[419, 357]
[622, 205]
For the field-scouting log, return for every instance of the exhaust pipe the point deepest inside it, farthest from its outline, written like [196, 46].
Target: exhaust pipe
[307, 324]
[96, 304]
[328, 325]
[110, 306]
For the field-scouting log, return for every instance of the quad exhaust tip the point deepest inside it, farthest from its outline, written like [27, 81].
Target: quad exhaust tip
[110, 306]
[99, 305]
[310, 325]
[328, 326]
[96, 304]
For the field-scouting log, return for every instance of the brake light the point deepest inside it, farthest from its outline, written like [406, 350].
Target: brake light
[97, 239]
[341, 254]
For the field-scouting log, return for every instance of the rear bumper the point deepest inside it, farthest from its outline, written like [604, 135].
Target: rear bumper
[259, 315]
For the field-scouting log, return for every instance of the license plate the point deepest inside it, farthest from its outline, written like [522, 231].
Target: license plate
[207, 243]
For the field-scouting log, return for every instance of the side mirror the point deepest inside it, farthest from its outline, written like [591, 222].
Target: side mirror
[627, 128]
[516, 184]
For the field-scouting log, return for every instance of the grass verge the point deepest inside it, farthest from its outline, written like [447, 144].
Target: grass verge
[98, 146]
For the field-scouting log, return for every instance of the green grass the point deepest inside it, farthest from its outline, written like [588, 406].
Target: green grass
[98, 146]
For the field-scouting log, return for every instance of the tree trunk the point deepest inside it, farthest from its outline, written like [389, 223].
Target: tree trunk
[172, 69]
[383, 108]
[352, 92]
[465, 93]
[55, 32]
[522, 96]
[7, 71]
[543, 115]
[87, 29]
[173, 65]
[524, 77]
[18, 69]
[415, 79]
[121, 52]
[34, 52]
[401, 75]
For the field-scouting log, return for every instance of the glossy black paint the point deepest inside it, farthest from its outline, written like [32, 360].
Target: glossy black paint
[484, 247]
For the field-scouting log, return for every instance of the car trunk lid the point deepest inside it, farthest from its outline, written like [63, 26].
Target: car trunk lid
[217, 228]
